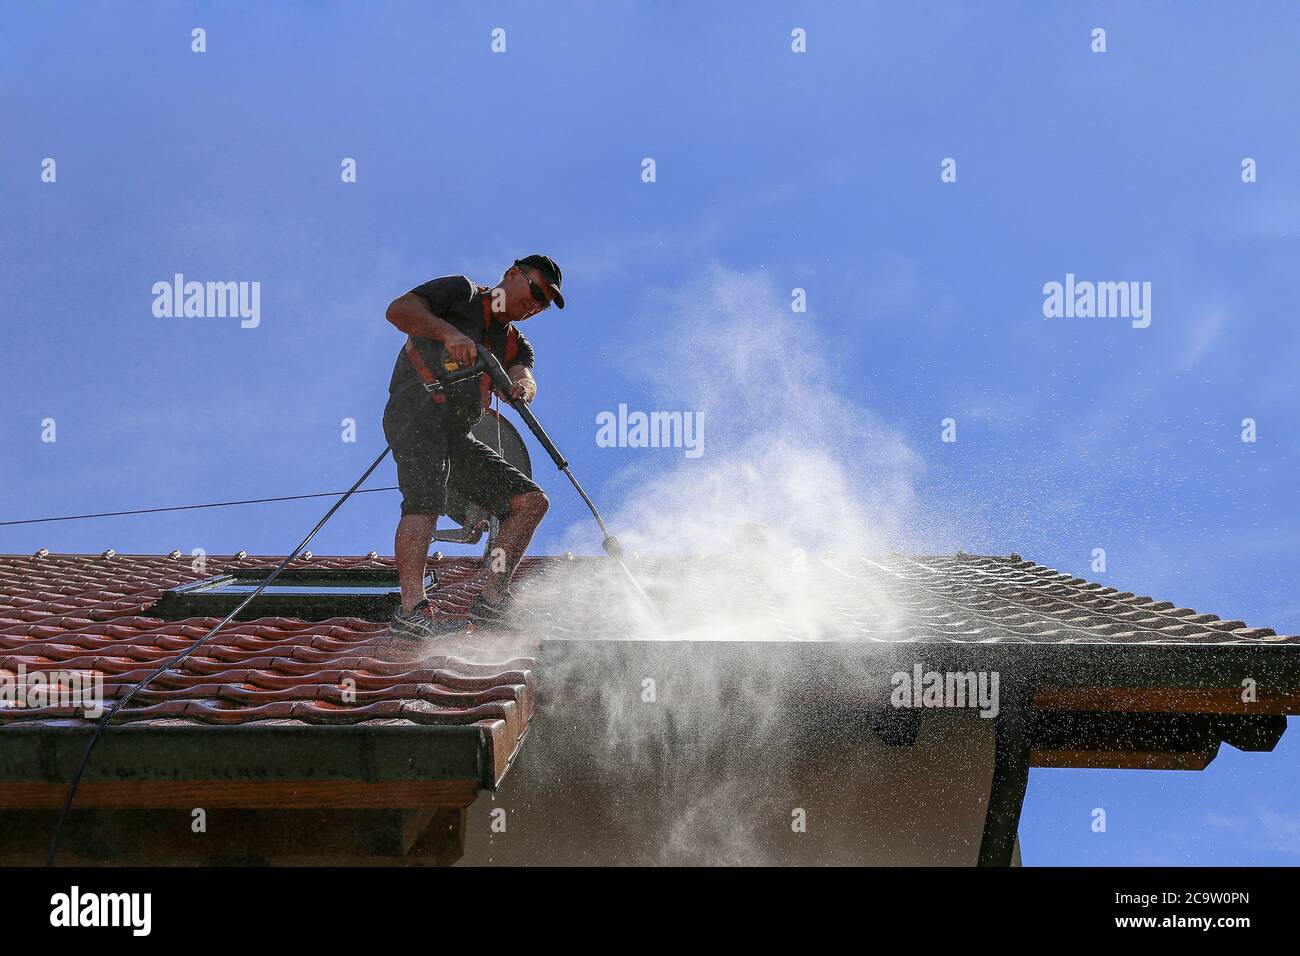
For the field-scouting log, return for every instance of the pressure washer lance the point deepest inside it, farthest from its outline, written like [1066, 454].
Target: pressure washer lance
[487, 362]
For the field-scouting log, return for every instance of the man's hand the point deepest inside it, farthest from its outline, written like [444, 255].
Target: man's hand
[460, 347]
[525, 390]
[525, 386]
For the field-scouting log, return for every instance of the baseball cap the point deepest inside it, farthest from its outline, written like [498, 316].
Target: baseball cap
[550, 273]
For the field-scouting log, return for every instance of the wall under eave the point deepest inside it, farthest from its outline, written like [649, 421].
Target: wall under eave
[738, 738]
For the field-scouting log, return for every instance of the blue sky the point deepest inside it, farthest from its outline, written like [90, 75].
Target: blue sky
[775, 170]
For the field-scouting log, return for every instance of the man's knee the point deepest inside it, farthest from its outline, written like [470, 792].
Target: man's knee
[530, 503]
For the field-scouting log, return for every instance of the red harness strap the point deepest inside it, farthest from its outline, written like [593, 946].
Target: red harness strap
[512, 352]
[431, 383]
[485, 383]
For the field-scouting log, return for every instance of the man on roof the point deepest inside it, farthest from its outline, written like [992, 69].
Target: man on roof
[445, 320]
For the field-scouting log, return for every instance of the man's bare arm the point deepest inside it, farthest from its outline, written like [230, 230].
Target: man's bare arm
[411, 315]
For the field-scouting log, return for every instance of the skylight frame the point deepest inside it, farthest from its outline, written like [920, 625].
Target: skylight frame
[302, 593]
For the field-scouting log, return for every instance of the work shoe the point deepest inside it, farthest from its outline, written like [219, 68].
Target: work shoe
[506, 615]
[420, 622]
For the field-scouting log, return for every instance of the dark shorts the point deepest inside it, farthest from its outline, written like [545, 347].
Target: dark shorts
[435, 452]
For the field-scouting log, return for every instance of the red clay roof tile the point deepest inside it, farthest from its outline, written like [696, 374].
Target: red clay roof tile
[87, 613]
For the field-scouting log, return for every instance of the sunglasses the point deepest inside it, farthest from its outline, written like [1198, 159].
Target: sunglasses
[533, 287]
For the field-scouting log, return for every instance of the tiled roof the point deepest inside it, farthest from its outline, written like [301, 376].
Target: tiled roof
[83, 612]
[92, 612]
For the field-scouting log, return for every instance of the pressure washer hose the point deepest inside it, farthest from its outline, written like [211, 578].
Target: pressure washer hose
[487, 362]
[102, 724]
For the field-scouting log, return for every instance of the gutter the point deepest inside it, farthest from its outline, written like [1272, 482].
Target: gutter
[255, 753]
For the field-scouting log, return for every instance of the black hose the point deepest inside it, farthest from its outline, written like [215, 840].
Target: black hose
[102, 724]
[487, 362]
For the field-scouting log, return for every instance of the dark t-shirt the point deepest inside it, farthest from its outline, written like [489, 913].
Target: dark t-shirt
[455, 300]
